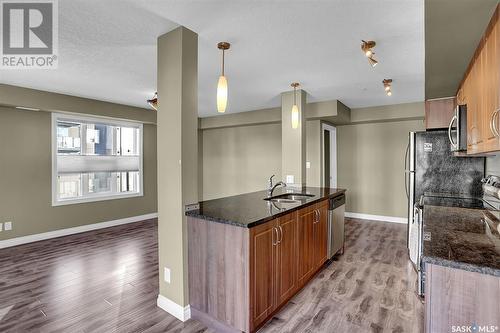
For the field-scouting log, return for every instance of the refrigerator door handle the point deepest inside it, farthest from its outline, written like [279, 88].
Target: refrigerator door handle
[406, 176]
[453, 144]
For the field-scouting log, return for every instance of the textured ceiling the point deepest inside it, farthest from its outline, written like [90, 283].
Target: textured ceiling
[453, 29]
[108, 50]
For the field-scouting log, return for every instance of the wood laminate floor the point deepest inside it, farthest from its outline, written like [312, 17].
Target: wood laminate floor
[107, 281]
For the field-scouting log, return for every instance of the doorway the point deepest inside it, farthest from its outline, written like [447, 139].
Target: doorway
[329, 134]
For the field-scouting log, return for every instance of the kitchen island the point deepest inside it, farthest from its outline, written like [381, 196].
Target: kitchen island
[461, 258]
[249, 254]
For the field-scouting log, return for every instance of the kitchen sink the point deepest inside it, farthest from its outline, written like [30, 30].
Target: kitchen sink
[290, 197]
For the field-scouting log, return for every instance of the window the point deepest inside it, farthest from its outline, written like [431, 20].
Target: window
[95, 159]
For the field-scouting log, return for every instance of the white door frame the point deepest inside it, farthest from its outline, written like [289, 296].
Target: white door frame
[333, 154]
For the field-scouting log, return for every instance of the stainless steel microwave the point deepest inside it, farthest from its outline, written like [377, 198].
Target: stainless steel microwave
[457, 130]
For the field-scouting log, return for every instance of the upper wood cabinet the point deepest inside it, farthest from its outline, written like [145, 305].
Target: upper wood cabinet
[438, 112]
[480, 90]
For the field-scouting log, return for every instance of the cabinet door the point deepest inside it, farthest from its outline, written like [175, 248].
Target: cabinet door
[306, 220]
[438, 112]
[286, 274]
[320, 235]
[263, 240]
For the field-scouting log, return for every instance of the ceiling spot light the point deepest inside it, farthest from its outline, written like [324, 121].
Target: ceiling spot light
[222, 84]
[153, 102]
[295, 108]
[367, 48]
[387, 86]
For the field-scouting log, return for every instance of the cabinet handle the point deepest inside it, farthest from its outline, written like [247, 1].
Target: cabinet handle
[493, 123]
[275, 230]
[281, 234]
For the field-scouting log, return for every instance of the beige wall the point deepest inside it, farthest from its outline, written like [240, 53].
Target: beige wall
[370, 165]
[240, 159]
[314, 152]
[25, 199]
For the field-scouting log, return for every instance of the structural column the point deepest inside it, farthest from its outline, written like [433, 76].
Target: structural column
[293, 140]
[177, 140]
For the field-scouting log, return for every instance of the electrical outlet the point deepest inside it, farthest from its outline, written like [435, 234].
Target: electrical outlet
[166, 274]
[8, 226]
[1, 227]
[290, 179]
[308, 165]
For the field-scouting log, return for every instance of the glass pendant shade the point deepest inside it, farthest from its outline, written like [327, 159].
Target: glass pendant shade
[222, 94]
[295, 116]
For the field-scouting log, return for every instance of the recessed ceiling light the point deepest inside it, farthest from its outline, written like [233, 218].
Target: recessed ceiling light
[26, 108]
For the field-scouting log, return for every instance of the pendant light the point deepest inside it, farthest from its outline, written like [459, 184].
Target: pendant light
[222, 84]
[295, 108]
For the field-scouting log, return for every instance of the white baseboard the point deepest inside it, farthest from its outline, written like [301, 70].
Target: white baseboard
[179, 312]
[377, 217]
[75, 230]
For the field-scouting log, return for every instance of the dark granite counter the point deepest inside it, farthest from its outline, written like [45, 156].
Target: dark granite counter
[463, 238]
[250, 209]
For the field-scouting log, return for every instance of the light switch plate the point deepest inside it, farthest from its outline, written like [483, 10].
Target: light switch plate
[290, 179]
[166, 274]
[8, 226]
[308, 165]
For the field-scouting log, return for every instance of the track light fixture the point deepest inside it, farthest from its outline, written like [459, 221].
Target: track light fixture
[153, 102]
[387, 86]
[367, 48]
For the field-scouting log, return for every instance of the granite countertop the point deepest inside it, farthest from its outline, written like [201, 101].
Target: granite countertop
[250, 209]
[463, 238]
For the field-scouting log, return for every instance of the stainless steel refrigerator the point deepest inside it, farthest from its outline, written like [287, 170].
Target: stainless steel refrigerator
[431, 167]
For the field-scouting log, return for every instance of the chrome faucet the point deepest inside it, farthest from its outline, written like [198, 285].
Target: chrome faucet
[271, 187]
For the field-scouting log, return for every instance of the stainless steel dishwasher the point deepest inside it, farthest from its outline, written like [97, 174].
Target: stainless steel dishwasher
[336, 212]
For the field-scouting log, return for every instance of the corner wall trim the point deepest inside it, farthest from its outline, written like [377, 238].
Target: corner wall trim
[176, 310]
[75, 230]
[392, 219]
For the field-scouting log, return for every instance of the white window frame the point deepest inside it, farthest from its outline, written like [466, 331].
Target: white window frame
[97, 197]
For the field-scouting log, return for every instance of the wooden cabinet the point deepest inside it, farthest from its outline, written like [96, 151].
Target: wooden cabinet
[306, 219]
[239, 277]
[286, 275]
[455, 297]
[285, 255]
[438, 112]
[263, 258]
[320, 235]
[480, 90]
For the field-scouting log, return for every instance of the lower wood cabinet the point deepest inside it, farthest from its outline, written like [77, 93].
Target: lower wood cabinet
[287, 258]
[239, 277]
[320, 235]
[459, 298]
[285, 255]
[263, 268]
